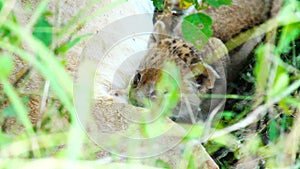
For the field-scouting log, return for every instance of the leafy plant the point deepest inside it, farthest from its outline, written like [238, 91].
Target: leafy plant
[196, 28]
[159, 4]
[43, 30]
[204, 3]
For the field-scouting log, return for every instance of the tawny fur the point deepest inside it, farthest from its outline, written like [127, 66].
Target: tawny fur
[164, 46]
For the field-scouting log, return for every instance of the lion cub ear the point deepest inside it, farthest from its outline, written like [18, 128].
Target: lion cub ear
[204, 74]
[159, 33]
[212, 76]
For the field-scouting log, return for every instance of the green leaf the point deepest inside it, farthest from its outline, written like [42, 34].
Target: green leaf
[192, 163]
[283, 122]
[168, 86]
[262, 68]
[154, 129]
[162, 164]
[43, 30]
[9, 111]
[218, 3]
[289, 34]
[6, 66]
[286, 121]
[159, 4]
[184, 4]
[195, 132]
[297, 64]
[196, 28]
[6, 33]
[1, 4]
[228, 115]
[273, 131]
[253, 145]
[4, 139]
[281, 82]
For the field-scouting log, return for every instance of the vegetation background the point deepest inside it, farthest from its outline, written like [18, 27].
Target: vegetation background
[262, 117]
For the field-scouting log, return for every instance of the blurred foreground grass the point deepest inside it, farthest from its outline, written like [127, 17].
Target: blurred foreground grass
[272, 108]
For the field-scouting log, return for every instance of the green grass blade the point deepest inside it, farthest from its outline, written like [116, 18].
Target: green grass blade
[46, 56]
[70, 28]
[6, 10]
[38, 12]
[18, 105]
[45, 71]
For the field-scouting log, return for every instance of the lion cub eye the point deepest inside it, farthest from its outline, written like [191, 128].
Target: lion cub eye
[136, 80]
